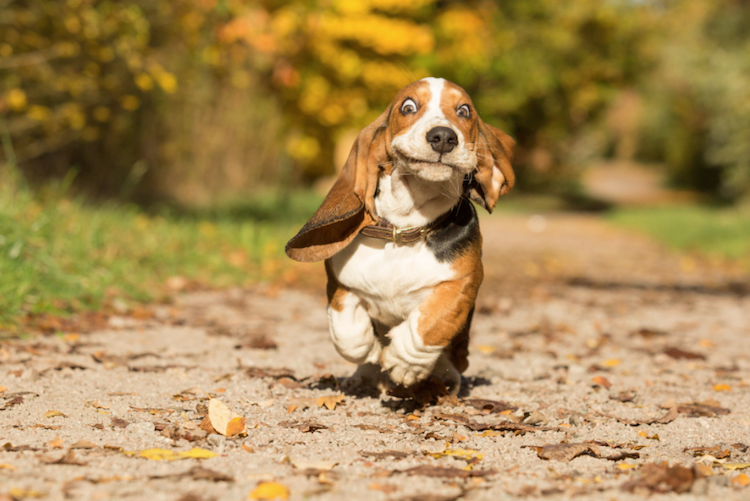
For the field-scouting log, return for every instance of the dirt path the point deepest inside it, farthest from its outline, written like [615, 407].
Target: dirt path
[583, 333]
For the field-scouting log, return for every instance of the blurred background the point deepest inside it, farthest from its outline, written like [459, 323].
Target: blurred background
[145, 141]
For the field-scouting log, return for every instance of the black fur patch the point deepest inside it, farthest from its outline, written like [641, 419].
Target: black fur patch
[457, 233]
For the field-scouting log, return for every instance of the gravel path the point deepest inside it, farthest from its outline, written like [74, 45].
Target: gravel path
[618, 356]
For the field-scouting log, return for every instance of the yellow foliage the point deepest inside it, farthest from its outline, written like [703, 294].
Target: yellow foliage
[267, 491]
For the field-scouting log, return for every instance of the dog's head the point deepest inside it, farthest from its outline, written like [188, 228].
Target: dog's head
[432, 129]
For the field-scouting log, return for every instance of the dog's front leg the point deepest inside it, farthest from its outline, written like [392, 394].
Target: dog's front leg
[352, 331]
[417, 343]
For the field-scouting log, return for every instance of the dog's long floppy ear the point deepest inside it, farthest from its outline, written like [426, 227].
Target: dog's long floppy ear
[494, 176]
[349, 206]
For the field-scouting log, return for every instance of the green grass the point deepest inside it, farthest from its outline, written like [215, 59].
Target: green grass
[723, 233]
[59, 254]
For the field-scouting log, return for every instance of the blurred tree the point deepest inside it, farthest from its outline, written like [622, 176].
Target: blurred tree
[699, 96]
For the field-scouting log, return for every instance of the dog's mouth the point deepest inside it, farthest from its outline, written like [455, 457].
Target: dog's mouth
[420, 164]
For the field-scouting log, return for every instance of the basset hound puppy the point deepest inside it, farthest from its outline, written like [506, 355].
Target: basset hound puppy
[401, 240]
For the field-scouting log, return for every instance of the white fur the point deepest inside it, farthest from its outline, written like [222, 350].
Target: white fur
[387, 281]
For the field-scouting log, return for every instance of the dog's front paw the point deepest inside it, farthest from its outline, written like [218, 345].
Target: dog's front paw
[406, 371]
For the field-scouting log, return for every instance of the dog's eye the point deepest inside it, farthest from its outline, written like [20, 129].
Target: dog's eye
[408, 107]
[464, 111]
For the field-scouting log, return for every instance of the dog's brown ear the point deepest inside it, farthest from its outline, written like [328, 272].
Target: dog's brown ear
[494, 176]
[349, 206]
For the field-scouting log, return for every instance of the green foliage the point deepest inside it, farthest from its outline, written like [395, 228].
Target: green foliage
[699, 97]
[58, 254]
[723, 233]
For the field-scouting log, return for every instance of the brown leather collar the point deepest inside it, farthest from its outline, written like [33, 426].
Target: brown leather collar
[386, 231]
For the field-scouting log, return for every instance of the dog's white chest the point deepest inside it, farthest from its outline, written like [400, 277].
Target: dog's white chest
[391, 279]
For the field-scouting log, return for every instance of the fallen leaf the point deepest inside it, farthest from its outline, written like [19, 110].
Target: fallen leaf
[386, 454]
[10, 403]
[722, 387]
[662, 478]
[206, 425]
[564, 452]
[494, 406]
[713, 451]
[612, 362]
[305, 426]
[266, 491]
[702, 409]
[223, 420]
[678, 354]
[331, 401]
[645, 435]
[258, 372]
[51, 414]
[602, 381]
[16, 493]
[57, 443]
[465, 454]
[291, 408]
[247, 448]
[436, 471]
[168, 455]
[84, 444]
[489, 433]
[119, 422]
[7, 466]
[627, 466]
[199, 473]
[736, 466]
[741, 480]
[3, 389]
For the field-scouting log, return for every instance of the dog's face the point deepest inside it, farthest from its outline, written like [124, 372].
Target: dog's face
[428, 127]
[431, 130]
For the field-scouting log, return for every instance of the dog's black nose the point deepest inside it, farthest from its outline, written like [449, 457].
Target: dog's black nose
[442, 139]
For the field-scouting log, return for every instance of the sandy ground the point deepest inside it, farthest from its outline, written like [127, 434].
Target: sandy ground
[583, 335]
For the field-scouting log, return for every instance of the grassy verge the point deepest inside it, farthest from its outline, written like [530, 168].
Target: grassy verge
[722, 233]
[59, 254]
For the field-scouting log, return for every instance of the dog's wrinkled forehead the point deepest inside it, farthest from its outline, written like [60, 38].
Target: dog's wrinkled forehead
[430, 101]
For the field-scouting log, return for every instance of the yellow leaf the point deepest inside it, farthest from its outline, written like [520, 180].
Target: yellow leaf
[487, 350]
[268, 491]
[57, 443]
[489, 433]
[50, 414]
[7, 466]
[331, 401]
[612, 362]
[466, 454]
[645, 435]
[741, 480]
[626, 466]
[158, 455]
[736, 466]
[16, 493]
[412, 417]
[196, 453]
[236, 426]
[722, 387]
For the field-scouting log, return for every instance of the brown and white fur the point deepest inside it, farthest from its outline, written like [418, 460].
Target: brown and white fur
[406, 308]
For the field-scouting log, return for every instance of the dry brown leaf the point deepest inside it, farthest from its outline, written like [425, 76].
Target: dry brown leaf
[206, 425]
[305, 426]
[291, 408]
[57, 443]
[678, 353]
[662, 478]
[51, 414]
[602, 381]
[713, 451]
[435, 471]
[331, 401]
[386, 454]
[247, 448]
[741, 480]
[84, 444]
